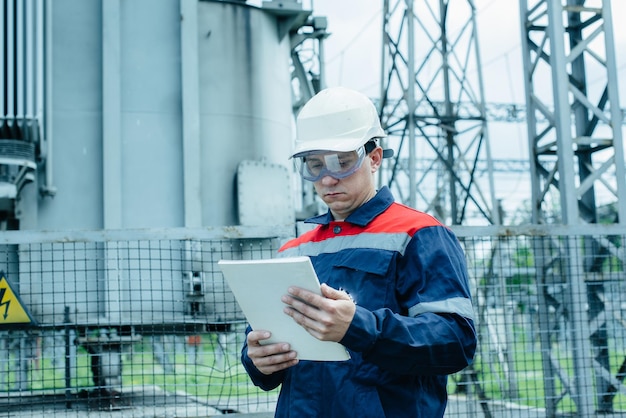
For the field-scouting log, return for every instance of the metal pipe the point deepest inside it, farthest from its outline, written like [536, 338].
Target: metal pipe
[20, 71]
[3, 20]
[48, 189]
[190, 87]
[411, 102]
[111, 114]
[10, 64]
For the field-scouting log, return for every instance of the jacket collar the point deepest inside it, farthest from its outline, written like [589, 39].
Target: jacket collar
[363, 214]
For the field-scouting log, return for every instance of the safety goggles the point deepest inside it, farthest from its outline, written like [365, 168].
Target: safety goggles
[338, 165]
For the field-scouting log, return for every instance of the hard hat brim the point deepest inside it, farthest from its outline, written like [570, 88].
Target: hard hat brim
[340, 144]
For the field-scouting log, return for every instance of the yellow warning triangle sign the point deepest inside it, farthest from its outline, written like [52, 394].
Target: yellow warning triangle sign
[12, 310]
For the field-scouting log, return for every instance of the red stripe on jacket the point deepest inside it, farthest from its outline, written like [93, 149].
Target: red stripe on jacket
[398, 218]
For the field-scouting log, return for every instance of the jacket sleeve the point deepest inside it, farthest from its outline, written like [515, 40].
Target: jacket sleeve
[435, 333]
[263, 381]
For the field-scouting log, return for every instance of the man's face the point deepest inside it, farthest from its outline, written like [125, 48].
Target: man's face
[343, 196]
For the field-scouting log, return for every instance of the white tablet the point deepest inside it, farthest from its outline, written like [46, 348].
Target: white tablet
[258, 286]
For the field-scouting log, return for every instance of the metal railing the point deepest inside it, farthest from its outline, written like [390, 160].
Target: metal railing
[141, 321]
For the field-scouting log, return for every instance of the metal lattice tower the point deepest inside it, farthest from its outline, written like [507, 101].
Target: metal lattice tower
[577, 148]
[432, 107]
[576, 156]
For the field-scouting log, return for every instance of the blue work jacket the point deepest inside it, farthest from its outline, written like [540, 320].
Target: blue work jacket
[413, 323]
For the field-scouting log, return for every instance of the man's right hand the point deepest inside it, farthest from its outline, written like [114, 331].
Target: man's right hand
[269, 358]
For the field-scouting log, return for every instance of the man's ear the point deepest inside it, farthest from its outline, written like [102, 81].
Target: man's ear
[376, 157]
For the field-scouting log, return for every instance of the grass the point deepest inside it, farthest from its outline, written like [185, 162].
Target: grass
[528, 377]
[214, 371]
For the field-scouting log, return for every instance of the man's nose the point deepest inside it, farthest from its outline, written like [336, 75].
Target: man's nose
[328, 180]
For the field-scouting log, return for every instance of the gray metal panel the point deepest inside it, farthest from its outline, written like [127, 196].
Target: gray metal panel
[244, 110]
[116, 109]
[152, 188]
[148, 78]
[245, 99]
[264, 194]
[76, 99]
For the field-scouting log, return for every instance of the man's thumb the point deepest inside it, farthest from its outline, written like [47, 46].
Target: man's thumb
[332, 293]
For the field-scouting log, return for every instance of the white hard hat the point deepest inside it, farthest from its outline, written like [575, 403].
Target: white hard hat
[336, 119]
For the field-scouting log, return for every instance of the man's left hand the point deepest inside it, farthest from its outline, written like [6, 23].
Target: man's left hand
[326, 317]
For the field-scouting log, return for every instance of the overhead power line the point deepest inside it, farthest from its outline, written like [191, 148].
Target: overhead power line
[495, 112]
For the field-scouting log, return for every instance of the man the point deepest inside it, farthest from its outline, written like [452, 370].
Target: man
[395, 286]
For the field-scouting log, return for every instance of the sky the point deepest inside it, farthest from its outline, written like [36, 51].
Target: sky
[353, 53]
[354, 47]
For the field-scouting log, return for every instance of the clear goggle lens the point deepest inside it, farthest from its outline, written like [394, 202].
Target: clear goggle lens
[338, 165]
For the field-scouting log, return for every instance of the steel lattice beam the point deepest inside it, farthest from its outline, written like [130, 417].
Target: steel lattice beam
[425, 79]
[575, 142]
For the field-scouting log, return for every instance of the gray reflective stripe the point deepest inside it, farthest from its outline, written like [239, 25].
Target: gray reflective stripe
[378, 241]
[461, 306]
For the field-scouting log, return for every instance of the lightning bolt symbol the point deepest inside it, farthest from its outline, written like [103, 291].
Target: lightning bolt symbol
[7, 303]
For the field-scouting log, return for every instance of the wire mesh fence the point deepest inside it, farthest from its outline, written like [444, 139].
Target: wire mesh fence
[141, 323]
